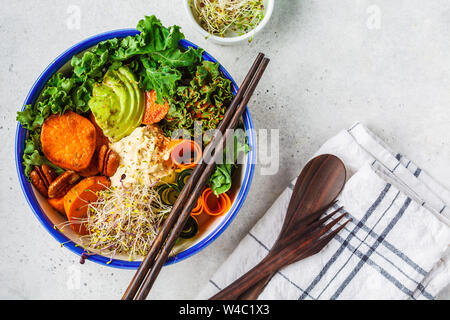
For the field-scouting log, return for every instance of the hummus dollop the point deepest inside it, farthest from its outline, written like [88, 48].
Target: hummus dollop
[144, 157]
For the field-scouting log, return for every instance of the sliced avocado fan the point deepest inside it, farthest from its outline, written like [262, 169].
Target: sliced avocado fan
[117, 103]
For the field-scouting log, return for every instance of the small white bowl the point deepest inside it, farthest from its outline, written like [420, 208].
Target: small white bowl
[268, 9]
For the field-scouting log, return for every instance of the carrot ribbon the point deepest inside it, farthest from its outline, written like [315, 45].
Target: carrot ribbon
[215, 205]
[198, 209]
[185, 153]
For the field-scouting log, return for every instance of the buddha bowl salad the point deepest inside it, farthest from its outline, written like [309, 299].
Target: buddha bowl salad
[111, 143]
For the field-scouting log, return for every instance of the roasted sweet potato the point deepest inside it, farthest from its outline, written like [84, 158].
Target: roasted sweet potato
[153, 112]
[58, 204]
[76, 201]
[68, 140]
[101, 138]
[92, 169]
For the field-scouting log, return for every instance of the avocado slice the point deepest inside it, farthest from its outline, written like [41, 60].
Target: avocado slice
[117, 103]
[140, 96]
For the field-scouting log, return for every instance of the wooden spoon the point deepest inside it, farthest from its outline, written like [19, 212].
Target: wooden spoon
[316, 188]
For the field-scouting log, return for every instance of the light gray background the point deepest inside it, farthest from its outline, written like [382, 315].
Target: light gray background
[331, 65]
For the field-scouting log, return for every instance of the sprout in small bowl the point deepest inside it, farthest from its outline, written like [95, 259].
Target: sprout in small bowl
[229, 21]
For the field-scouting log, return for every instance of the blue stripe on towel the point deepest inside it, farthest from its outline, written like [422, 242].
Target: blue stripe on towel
[422, 290]
[382, 271]
[395, 167]
[359, 254]
[215, 285]
[418, 171]
[279, 272]
[354, 126]
[291, 282]
[393, 249]
[359, 245]
[345, 243]
[372, 249]
[259, 241]
[381, 256]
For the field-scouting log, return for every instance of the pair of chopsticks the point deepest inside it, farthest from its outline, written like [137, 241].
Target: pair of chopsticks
[162, 245]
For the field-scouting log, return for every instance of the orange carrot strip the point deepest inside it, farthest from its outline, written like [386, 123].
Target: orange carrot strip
[215, 205]
[178, 147]
[198, 207]
[174, 143]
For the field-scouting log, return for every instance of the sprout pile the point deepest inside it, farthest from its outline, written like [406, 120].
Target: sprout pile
[125, 220]
[220, 17]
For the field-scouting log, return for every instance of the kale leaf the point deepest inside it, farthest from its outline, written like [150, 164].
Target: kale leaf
[204, 100]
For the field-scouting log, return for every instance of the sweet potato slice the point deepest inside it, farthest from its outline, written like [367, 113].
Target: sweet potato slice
[58, 204]
[76, 201]
[68, 140]
[92, 169]
[101, 138]
[153, 112]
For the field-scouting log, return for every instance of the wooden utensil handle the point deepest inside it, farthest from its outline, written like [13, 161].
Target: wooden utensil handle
[273, 262]
[254, 292]
[268, 266]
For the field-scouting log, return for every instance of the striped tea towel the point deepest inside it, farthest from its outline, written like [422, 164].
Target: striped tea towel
[395, 247]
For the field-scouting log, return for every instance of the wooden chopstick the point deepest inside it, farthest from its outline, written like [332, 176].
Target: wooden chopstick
[198, 188]
[173, 217]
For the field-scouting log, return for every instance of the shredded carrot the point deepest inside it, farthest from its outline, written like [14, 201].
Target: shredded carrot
[178, 147]
[174, 143]
[198, 209]
[215, 205]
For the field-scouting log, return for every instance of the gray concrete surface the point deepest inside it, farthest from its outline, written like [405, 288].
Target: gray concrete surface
[384, 63]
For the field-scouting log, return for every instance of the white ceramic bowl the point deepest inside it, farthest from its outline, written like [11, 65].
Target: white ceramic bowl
[268, 9]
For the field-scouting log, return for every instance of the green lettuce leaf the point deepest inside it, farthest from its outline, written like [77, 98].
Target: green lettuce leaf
[155, 37]
[161, 78]
[33, 157]
[154, 54]
[220, 181]
[175, 58]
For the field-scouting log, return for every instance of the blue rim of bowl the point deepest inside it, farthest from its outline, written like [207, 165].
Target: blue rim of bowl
[32, 97]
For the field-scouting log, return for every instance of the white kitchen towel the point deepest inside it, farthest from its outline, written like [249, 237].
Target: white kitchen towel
[395, 247]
